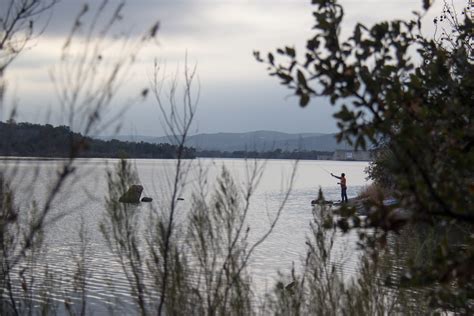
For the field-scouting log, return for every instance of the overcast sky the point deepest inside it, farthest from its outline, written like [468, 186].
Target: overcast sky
[237, 95]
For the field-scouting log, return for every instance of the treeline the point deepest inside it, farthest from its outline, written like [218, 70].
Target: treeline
[274, 154]
[34, 140]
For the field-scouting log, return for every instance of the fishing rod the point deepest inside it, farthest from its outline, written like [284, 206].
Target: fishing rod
[325, 170]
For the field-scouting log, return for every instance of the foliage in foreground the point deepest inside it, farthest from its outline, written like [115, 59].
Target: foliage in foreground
[322, 287]
[413, 97]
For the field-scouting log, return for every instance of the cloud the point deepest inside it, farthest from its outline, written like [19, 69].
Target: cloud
[219, 36]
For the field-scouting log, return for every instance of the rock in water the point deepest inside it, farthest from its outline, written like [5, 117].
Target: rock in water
[146, 199]
[132, 195]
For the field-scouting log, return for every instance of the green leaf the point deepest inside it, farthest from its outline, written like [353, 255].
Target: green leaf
[256, 54]
[290, 51]
[271, 59]
[426, 4]
[304, 100]
[301, 79]
[285, 77]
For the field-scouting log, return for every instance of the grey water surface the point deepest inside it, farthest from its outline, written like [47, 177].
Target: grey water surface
[83, 196]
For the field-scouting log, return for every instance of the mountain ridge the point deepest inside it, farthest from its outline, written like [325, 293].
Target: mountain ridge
[262, 140]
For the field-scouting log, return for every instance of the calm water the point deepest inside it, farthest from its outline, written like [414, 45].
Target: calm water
[83, 197]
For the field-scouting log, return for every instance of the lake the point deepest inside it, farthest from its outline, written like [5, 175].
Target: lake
[83, 198]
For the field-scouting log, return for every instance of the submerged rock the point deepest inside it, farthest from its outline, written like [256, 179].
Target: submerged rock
[321, 202]
[132, 195]
[146, 199]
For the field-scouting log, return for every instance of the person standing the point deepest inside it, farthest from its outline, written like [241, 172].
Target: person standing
[343, 184]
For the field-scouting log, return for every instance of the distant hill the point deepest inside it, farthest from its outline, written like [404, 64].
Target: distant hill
[251, 141]
[34, 140]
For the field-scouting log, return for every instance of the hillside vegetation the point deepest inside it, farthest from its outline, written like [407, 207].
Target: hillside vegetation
[33, 140]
